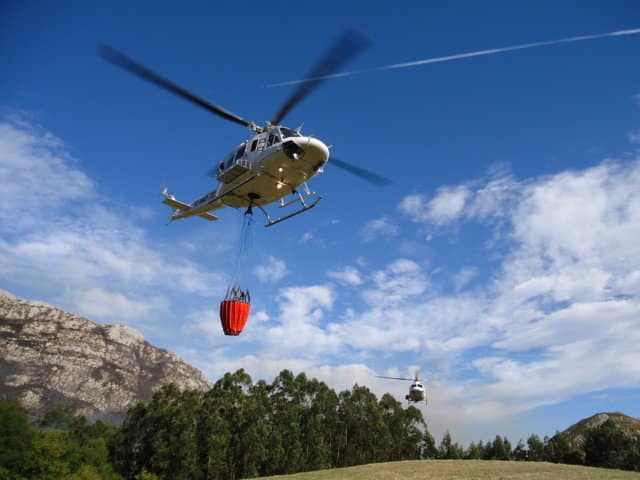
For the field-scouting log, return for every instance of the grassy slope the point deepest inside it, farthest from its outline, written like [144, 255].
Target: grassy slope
[464, 470]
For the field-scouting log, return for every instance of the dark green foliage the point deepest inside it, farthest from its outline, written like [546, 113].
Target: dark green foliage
[239, 430]
[57, 419]
[474, 452]
[430, 450]
[535, 449]
[448, 449]
[520, 452]
[558, 449]
[16, 439]
[78, 452]
[612, 447]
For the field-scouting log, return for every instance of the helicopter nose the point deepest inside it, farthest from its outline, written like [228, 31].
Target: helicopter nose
[314, 150]
[310, 149]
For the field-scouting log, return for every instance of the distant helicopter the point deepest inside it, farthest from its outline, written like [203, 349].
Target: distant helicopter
[417, 392]
[276, 161]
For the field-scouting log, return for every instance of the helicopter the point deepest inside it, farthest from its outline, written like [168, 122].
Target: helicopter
[276, 161]
[417, 391]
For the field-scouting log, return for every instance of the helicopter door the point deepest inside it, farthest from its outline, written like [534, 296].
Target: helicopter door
[262, 142]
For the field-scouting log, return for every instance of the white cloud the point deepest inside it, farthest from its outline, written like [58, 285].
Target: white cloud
[37, 175]
[300, 329]
[271, 271]
[306, 237]
[565, 296]
[101, 303]
[379, 227]
[61, 240]
[348, 274]
[445, 207]
[402, 279]
[464, 276]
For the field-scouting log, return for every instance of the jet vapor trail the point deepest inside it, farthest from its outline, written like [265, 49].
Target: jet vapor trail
[458, 56]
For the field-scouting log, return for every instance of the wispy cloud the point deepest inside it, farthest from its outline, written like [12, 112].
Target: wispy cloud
[348, 274]
[36, 174]
[378, 227]
[306, 237]
[445, 207]
[60, 239]
[463, 276]
[271, 271]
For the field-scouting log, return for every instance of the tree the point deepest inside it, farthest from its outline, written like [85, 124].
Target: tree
[558, 449]
[430, 450]
[520, 452]
[535, 449]
[609, 446]
[474, 451]
[501, 449]
[448, 449]
[16, 439]
[363, 432]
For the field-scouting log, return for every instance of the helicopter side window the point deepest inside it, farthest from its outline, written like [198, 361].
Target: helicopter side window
[254, 144]
[271, 139]
[286, 133]
[241, 151]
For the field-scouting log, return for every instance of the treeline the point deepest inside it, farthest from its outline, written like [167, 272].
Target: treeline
[607, 446]
[239, 429]
[64, 447]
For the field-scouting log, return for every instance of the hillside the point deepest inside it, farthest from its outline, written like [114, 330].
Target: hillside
[463, 470]
[576, 433]
[53, 359]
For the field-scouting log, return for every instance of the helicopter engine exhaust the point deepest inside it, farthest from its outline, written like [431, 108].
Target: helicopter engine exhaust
[292, 150]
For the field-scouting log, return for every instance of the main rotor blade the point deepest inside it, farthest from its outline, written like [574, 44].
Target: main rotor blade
[394, 378]
[364, 174]
[347, 46]
[121, 60]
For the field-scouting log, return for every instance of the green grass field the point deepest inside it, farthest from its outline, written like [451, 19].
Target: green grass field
[464, 470]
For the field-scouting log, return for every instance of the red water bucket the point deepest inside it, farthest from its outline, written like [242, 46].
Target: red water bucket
[233, 316]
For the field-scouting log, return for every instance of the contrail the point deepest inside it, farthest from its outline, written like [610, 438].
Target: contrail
[459, 56]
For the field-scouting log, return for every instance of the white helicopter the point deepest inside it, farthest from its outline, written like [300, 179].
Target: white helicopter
[276, 161]
[417, 391]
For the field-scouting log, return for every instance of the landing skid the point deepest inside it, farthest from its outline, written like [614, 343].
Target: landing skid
[300, 199]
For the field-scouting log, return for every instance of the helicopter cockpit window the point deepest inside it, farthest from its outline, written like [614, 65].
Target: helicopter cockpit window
[241, 151]
[254, 144]
[286, 133]
[227, 162]
[270, 141]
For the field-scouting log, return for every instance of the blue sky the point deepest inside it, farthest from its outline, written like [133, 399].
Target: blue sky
[502, 262]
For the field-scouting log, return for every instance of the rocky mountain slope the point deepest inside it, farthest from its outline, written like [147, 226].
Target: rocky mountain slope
[53, 359]
[576, 433]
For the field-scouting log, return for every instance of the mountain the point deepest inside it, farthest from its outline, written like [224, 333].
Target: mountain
[53, 359]
[576, 433]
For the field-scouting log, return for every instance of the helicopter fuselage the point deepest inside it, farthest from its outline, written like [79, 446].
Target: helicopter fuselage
[266, 168]
[416, 392]
[277, 166]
